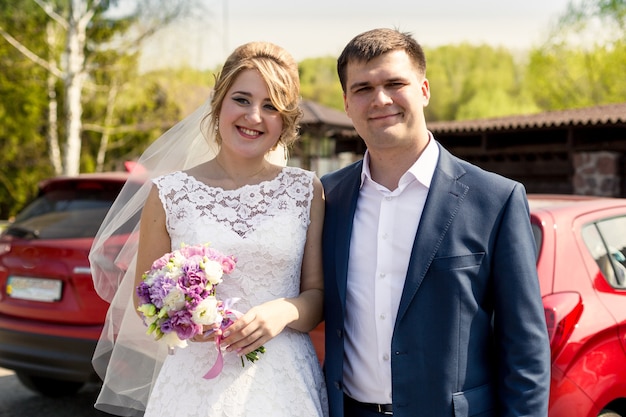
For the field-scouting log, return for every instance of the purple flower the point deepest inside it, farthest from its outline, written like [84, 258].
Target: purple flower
[143, 293]
[161, 286]
[193, 275]
[195, 294]
[183, 324]
[166, 325]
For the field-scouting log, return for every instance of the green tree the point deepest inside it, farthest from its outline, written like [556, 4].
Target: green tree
[146, 108]
[319, 81]
[579, 14]
[23, 156]
[562, 76]
[471, 82]
[583, 62]
[77, 32]
[36, 116]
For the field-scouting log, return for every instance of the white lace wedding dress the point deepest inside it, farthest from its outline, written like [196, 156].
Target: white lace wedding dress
[264, 226]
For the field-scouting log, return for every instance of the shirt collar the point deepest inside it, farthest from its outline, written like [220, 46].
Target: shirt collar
[422, 170]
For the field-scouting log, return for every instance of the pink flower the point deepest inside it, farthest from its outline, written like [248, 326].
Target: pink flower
[228, 264]
[162, 261]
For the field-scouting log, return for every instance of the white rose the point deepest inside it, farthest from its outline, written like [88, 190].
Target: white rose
[206, 312]
[213, 271]
[174, 300]
[173, 340]
[177, 260]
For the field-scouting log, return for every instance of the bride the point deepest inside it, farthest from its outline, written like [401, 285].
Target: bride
[230, 192]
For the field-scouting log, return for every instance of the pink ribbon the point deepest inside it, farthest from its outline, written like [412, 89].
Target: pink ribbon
[217, 367]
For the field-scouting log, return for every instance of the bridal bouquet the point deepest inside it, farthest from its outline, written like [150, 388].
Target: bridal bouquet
[177, 297]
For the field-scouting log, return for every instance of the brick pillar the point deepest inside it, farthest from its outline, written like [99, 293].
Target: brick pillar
[597, 173]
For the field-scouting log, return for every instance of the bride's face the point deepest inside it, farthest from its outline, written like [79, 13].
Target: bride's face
[249, 123]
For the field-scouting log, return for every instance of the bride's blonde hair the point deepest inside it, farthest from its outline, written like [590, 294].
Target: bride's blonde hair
[279, 71]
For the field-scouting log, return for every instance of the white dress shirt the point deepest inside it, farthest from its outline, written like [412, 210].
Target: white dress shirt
[385, 225]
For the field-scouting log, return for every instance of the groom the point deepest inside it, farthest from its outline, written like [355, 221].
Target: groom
[432, 303]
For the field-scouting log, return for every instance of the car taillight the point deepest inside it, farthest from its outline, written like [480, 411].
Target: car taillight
[562, 312]
[5, 248]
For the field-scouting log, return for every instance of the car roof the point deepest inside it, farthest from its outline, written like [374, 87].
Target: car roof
[567, 202]
[112, 176]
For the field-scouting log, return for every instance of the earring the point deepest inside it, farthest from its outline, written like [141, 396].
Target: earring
[217, 124]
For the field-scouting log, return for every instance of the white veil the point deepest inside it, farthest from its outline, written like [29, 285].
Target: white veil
[125, 358]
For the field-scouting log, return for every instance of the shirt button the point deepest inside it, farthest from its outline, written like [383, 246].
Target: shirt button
[382, 317]
[388, 198]
[385, 357]
[381, 275]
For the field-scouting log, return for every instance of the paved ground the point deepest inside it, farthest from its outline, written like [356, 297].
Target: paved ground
[18, 401]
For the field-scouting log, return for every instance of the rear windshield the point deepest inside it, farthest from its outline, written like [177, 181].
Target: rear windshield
[68, 210]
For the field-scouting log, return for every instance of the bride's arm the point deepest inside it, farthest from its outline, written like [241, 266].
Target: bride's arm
[154, 241]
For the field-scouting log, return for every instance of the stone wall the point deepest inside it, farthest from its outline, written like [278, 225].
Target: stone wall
[597, 173]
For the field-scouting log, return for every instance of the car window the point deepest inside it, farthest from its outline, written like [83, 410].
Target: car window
[606, 240]
[613, 232]
[66, 213]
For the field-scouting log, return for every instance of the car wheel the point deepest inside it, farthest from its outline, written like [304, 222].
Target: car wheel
[608, 413]
[48, 386]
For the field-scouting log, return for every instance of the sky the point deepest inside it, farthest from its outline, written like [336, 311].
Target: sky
[316, 28]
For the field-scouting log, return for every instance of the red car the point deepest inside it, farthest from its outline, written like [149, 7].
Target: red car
[50, 314]
[582, 272]
[51, 317]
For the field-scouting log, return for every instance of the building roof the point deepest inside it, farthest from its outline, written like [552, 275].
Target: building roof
[598, 115]
[317, 114]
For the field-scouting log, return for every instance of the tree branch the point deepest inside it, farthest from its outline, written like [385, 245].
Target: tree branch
[30, 54]
[86, 18]
[139, 127]
[49, 9]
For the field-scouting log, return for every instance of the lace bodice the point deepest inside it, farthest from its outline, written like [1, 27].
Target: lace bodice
[264, 226]
[244, 210]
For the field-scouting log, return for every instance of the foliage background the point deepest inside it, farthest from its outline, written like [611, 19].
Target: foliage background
[467, 82]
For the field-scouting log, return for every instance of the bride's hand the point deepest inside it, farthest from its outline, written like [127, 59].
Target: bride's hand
[255, 328]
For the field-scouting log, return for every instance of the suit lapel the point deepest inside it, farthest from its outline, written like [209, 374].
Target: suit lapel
[347, 193]
[442, 204]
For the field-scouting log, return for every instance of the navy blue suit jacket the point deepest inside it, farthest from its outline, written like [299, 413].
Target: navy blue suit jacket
[470, 336]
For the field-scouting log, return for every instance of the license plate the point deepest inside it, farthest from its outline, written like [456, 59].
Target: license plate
[36, 289]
